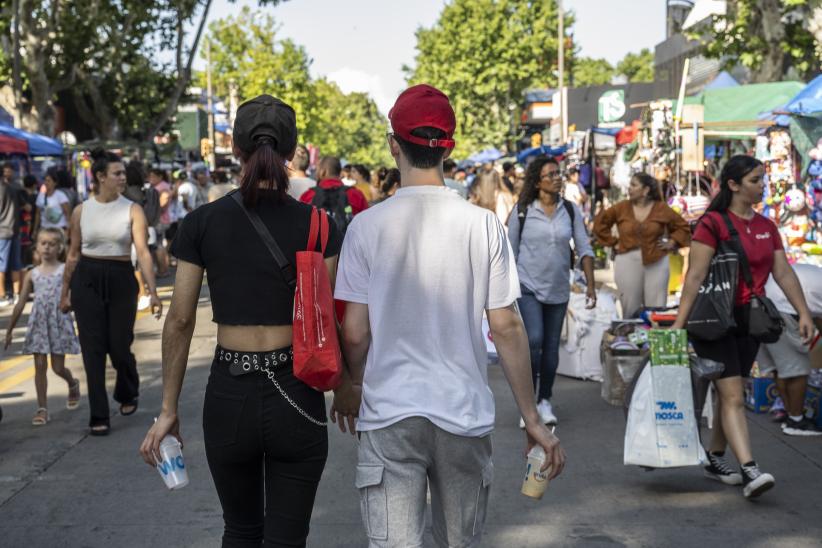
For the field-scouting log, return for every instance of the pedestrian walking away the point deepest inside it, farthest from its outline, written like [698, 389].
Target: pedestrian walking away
[540, 231]
[417, 272]
[341, 202]
[99, 285]
[648, 231]
[788, 358]
[50, 332]
[265, 430]
[741, 186]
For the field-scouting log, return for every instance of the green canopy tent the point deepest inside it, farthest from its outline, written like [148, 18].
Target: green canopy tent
[736, 112]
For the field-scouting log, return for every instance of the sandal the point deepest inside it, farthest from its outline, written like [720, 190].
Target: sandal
[73, 395]
[99, 430]
[132, 404]
[41, 417]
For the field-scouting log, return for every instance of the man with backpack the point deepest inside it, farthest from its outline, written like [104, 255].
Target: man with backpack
[341, 202]
[417, 273]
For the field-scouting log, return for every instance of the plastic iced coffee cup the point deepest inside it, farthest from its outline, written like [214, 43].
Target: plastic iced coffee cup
[535, 482]
[172, 466]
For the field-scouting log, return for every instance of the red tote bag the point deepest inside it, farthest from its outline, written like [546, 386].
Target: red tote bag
[317, 357]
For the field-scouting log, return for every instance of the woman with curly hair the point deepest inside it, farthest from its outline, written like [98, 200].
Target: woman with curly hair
[540, 229]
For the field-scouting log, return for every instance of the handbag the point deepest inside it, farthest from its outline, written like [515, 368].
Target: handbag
[316, 348]
[712, 314]
[764, 321]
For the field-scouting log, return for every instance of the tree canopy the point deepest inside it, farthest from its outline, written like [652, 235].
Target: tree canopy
[591, 72]
[484, 54]
[773, 39]
[637, 67]
[246, 51]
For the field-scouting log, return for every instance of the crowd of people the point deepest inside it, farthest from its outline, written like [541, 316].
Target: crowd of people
[417, 255]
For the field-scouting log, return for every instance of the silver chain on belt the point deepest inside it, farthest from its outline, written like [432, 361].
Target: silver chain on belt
[291, 402]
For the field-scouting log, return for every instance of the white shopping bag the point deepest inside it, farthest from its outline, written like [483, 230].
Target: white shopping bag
[662, 431]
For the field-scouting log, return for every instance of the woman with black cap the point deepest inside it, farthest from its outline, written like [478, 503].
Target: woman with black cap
[264, 429]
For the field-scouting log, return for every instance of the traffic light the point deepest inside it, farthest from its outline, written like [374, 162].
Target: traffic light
[536, 140]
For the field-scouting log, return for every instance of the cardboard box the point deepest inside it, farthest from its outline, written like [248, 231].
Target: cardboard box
[759, 394]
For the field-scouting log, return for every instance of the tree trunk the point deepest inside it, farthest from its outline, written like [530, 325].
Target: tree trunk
[772, 68]
[39, 116]
[183, 73]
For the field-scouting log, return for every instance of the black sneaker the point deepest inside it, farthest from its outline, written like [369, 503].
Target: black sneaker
[804, 427]
[719, 470]
[755, 482]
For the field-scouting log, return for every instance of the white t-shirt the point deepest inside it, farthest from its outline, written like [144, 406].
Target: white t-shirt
[810, 278]
[298, 185]
[187, 195]
[51, 209]
[427, 263]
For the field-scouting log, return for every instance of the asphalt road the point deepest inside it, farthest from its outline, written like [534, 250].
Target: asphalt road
[59, 487]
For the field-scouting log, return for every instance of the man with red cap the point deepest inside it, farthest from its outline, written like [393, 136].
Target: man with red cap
[417, 272]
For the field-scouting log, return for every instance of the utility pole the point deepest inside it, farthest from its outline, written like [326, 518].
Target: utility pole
[16, 79]
[212, 160]
[561, 67]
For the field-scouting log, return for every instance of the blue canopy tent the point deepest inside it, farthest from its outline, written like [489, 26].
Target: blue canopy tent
[39, 145]
[803, 114]
[487, 155]
[541, 151]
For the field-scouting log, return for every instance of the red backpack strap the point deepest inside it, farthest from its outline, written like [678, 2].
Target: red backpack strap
[323, 231]
[313, 230]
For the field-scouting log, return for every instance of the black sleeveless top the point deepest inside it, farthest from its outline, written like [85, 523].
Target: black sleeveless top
[246, 285]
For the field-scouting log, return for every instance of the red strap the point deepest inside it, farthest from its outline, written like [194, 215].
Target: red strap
[323, 231]
[313, 230]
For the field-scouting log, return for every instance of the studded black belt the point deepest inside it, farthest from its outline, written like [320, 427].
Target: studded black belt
[242, 363]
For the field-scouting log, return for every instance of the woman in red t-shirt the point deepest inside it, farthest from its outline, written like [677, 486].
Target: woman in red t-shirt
[741, 187]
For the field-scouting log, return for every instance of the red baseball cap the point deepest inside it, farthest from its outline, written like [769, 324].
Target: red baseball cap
[423, 106]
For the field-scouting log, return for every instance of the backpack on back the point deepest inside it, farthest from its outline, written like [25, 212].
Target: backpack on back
[335, 202]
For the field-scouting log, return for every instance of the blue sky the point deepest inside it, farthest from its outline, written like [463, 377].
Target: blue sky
[362, 44]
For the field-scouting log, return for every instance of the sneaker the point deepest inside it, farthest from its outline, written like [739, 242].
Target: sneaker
[546, 412]
[143, 302]
[5, 301]
[719, 470]
[755, 482]
[778, 415]
[805, 427]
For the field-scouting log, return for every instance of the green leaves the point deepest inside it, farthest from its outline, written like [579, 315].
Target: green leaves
[245, 50]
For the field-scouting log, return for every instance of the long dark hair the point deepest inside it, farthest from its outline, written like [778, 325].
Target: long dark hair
[392, 179]
[102, 159]
[654, 193]
[530, 188]
[734, 170]
[263, 164]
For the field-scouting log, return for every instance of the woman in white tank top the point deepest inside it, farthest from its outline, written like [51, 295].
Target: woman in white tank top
[99, 285]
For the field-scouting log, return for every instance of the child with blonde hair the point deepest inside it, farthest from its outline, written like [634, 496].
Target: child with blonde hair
[49, 330]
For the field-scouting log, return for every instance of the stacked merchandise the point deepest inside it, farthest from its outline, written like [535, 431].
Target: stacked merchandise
[623, 351]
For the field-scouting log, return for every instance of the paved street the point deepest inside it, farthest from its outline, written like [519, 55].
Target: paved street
[59, 487]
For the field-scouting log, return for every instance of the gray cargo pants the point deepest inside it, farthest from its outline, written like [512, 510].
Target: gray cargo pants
[395, 466]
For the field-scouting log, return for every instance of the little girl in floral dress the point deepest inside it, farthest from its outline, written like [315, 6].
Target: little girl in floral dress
[49, 330]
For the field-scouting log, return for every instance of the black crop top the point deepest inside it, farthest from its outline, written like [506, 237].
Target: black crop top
[246, 285]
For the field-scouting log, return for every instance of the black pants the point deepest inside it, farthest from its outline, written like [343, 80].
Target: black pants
[265, 458]
[737, 350]
[104, 299]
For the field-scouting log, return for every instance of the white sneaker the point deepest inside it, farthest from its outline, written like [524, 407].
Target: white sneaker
[143, 302]
[521, 423]
[546, 412]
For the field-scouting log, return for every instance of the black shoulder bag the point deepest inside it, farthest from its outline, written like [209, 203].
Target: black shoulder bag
[764, 322]
[285, 266]
[712, 314]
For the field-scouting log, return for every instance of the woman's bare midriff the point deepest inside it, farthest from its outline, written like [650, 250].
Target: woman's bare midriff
[121, 258]
[253, 338]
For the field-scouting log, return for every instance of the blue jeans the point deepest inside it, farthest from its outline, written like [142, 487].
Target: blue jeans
[543, 323]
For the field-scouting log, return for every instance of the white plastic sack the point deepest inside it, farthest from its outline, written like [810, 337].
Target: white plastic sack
[582, 335]
[662, 431]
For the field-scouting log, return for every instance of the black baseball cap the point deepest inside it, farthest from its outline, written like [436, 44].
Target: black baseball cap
[265, 118]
